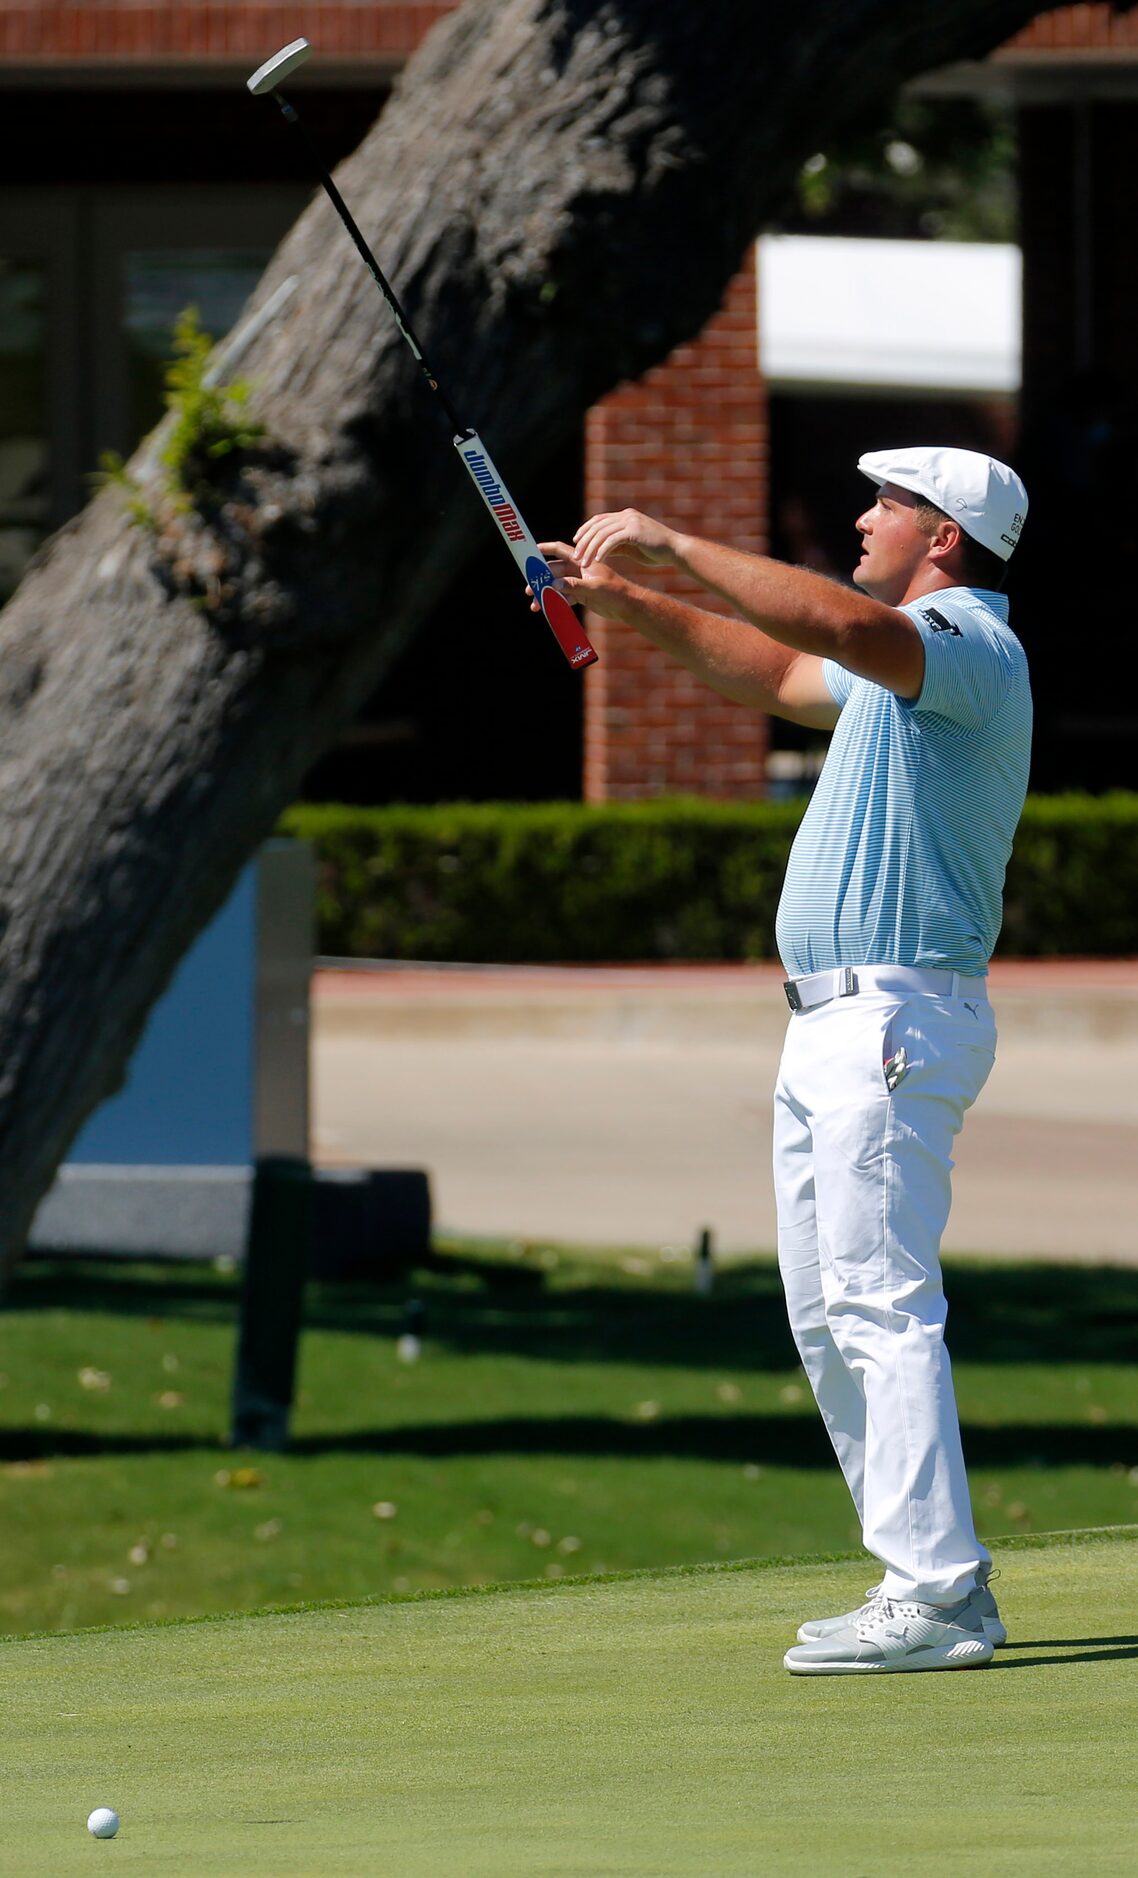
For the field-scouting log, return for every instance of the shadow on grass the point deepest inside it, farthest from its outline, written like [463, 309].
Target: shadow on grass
[1075, 1643]
[1077, 1650]
[777, 1440]
[997, 1314]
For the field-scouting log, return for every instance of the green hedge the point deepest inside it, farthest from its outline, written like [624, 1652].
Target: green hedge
[670, 879]
[1072, 886]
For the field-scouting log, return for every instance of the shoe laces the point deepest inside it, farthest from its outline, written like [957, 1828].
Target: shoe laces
[877, 1608]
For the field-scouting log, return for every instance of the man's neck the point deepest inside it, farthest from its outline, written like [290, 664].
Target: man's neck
[928, 580]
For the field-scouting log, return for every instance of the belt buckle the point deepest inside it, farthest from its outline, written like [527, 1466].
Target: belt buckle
[793, 995]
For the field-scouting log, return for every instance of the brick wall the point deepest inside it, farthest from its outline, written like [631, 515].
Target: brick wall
[687, 443]
[122, 32]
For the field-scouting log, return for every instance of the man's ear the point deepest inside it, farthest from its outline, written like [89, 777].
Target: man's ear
[945, 538]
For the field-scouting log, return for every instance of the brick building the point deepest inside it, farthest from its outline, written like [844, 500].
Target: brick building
[137, 179]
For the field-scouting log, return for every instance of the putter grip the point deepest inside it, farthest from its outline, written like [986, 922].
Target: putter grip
[559, 615]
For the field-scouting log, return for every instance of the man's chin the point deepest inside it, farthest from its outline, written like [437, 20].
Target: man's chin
[864, 579]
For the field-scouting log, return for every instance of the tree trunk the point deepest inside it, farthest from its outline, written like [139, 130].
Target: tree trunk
[559, 190]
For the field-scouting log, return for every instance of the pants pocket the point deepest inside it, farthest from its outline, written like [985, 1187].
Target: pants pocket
[938, 1047]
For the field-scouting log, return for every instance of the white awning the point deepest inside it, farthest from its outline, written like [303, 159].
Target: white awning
[889, 315]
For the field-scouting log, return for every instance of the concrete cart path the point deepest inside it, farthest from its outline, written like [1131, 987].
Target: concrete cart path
[631, 1105]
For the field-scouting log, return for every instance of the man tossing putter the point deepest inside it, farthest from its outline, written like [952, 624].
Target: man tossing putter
[888, 916]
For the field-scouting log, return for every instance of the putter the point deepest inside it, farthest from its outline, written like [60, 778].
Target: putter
[559, 615]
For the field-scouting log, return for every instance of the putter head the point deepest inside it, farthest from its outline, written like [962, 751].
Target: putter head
[281, 66]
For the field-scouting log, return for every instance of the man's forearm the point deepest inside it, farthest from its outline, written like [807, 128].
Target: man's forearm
[800, 609]
[794, 606]
[816, 616]
[812, 616]
[735, 658]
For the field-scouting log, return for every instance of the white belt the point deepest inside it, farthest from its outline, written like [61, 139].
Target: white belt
[805, 994]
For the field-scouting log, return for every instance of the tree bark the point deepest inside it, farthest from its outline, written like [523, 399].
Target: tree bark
[559, 190]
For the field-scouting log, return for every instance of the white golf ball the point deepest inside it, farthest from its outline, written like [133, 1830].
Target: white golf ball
[103, 1823]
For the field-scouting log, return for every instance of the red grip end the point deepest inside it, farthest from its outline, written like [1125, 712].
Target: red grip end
[566, 628]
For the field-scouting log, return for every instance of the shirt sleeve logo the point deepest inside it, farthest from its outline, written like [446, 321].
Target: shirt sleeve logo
[938, 622]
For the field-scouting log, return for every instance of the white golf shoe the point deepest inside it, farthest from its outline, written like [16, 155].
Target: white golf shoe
[981, 1600]
[886, 1636]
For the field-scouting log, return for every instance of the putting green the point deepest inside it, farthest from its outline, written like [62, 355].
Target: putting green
[625, 1726]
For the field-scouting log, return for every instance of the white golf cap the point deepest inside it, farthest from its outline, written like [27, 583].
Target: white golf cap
[985, 497]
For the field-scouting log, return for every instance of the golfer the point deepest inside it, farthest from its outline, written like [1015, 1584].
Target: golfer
[888, 917]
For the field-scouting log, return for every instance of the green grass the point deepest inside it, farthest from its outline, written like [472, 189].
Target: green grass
[641, 1727]
[570, 1413]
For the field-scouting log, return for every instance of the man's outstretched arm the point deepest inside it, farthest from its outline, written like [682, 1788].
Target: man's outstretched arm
[797, 608]
[734, 658]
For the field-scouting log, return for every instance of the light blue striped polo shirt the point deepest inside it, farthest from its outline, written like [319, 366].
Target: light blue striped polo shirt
[900, 857]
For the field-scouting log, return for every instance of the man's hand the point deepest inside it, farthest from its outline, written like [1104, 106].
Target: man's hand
[625, 533]
[561, 560]
[597, 586]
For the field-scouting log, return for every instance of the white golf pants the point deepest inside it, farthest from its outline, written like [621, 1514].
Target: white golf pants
[862, 1180]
